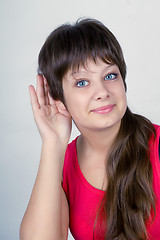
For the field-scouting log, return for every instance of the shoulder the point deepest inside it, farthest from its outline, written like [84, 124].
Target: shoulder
[72, 143]
[157, 137]
[68, 166]
[70, 154]
[155, 142]
[157, 128]
[71, 148]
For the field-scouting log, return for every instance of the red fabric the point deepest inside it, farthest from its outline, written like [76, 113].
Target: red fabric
[154, 229]
[84, 199]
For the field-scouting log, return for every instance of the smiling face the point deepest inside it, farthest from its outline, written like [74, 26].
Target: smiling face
[95, 96]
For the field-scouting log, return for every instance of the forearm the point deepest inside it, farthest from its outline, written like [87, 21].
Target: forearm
[43, 217]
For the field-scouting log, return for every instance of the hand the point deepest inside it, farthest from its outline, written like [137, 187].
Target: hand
[52, 118]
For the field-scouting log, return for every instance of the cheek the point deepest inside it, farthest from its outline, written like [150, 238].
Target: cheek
[123, 99]
[124, 102]
[77, 106]
[71, 104]
[121, 96]
[121, 91]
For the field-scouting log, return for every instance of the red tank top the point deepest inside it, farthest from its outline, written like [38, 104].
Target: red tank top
[84, 200]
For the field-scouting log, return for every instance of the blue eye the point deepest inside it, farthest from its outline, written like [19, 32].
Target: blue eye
[82, 83]
[111, 76]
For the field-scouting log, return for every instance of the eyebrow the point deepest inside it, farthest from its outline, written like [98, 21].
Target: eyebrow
[85, 70]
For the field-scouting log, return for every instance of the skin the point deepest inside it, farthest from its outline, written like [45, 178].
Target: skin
[43, 219]
[47, 214]
[89, 88]
[52, 118]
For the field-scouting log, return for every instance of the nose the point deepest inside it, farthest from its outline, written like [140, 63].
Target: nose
[101, 92]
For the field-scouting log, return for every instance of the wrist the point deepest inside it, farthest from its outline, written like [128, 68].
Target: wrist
[55, 144]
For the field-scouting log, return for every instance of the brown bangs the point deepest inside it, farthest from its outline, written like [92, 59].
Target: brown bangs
[70, 46]
[76, 44]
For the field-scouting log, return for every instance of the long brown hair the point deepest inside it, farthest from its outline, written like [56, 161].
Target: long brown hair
[129, 197]
[129, 194]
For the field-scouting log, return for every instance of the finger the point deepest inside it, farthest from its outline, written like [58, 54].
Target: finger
[46, 91]
[33, 98]
[52, 102]
[40, 90]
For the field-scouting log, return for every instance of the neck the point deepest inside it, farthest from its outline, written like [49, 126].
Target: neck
[97, 142]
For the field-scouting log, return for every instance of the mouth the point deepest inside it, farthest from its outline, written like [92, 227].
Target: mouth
[104, 109]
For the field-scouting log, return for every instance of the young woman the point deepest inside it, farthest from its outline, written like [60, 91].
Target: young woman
[106, 183]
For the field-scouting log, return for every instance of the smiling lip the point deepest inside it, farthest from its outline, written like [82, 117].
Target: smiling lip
[104, 110]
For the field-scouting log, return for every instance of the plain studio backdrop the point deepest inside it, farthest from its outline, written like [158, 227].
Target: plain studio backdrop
[24, 27]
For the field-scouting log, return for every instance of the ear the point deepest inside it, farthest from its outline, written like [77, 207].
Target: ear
[62, 108]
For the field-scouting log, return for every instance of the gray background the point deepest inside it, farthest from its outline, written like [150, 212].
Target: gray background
[24, 26]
